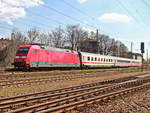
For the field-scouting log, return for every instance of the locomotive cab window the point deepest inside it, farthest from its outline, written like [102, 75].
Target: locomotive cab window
[22, 50]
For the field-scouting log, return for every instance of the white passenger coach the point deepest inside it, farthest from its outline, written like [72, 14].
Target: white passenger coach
[97, 60]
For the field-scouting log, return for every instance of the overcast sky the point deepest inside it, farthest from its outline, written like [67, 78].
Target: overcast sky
[125, 20]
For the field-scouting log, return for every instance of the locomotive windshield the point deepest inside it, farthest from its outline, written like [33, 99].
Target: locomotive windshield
[22, 50]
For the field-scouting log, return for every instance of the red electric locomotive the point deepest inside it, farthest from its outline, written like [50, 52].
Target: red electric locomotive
[33, 56]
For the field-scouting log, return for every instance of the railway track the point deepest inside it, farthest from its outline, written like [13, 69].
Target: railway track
[69, 98]
[30, 81]
[106, 82]
[14, 75]
[19, 83]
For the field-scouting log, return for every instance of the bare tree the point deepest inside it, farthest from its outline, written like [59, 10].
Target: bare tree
[18, 37]
[75, 34]
[33, 35]
[8, 53]
[57, 37]
[44, 39]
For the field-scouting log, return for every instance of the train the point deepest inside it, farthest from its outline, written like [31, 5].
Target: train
[37, 56]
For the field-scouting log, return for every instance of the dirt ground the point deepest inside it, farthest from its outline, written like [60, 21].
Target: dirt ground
[132, 103]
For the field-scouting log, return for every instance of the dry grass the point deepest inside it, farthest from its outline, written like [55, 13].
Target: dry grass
[53, 85]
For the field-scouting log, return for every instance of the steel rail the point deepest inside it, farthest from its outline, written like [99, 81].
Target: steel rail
[19, 83]
[55, 95]
[81, 103]
[80, 96]
[15, 75]
[106, 82]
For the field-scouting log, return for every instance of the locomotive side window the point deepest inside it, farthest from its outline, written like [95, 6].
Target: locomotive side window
[35, 51]
[22, 50]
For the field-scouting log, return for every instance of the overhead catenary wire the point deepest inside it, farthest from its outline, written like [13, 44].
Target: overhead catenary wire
[43, 16]
[70, 17]
[33, 21]
[78, 10]
[140, 16]
[59, 12]
[55, 10]
[126, 9]
[145, 3]
[39, 15]
[84, 13]
[131, 14]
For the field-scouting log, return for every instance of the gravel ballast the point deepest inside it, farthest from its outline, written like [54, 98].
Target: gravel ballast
[138, 102]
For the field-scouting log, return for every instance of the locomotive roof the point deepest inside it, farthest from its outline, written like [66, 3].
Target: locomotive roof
[55, 49]
[47, 48]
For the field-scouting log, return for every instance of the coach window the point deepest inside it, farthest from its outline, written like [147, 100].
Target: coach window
[104, 59]
[88, 58]
[101, 59]
[95, 59]
[92, 58]
[98, 59]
